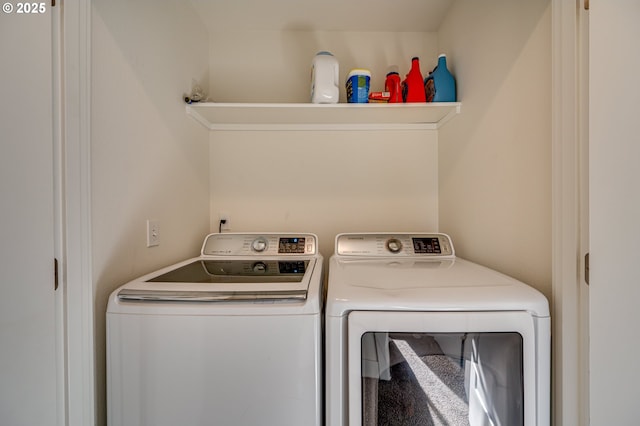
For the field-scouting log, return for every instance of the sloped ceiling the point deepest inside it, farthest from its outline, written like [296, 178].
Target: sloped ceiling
[322, 15]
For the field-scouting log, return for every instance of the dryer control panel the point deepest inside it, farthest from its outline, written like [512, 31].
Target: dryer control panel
[235, 244]
[398, 244]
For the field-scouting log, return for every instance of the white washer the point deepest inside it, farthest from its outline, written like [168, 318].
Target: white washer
[416, 336]
[232, 337]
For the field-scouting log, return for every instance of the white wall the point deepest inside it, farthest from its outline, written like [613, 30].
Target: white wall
[495, 157]
[325, 182]
[149, 160]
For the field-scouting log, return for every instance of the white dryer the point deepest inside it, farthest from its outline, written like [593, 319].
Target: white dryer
[416, 336]
[232, 337]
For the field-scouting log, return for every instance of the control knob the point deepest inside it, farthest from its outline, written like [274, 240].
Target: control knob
[394, 245]
[259, 244]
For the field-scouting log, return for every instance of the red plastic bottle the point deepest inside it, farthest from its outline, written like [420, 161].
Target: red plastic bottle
[413, 85]
[392, 85]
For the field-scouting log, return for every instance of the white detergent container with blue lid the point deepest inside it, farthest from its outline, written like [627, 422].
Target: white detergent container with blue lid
[324, 79]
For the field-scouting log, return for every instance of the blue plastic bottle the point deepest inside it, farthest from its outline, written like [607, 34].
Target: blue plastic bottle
[440, 86]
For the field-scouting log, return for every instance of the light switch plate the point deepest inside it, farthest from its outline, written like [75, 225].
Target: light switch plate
[153, 233]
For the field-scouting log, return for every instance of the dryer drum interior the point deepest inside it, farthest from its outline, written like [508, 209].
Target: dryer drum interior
[442, 378]
[442, 368]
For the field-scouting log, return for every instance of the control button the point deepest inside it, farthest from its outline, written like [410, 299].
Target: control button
[259, 244]
[394, 245]
[259, 267]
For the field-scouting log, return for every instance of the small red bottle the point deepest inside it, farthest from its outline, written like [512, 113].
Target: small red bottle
[393, 86]
[413, 85]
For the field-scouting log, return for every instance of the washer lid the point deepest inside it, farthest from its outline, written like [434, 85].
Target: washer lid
[225, 280]
[245, 271]
[210, 296]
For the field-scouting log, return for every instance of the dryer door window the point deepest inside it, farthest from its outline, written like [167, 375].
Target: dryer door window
[442, 379]
[443, 368]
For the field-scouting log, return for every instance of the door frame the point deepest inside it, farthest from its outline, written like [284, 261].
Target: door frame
[570, 334]
[568, 404]
[78, 317]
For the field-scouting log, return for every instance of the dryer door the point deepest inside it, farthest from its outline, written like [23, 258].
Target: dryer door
[443, 368]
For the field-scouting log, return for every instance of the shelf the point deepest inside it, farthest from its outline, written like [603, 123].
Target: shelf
[307, 116]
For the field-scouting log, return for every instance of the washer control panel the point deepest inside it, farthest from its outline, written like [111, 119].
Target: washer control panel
[235, 244]
[399, 244]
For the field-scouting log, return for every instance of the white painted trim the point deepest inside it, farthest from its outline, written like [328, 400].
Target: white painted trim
[59, 225]
[80, 361]
[79, 315]
[567, 378]
[583, 216]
